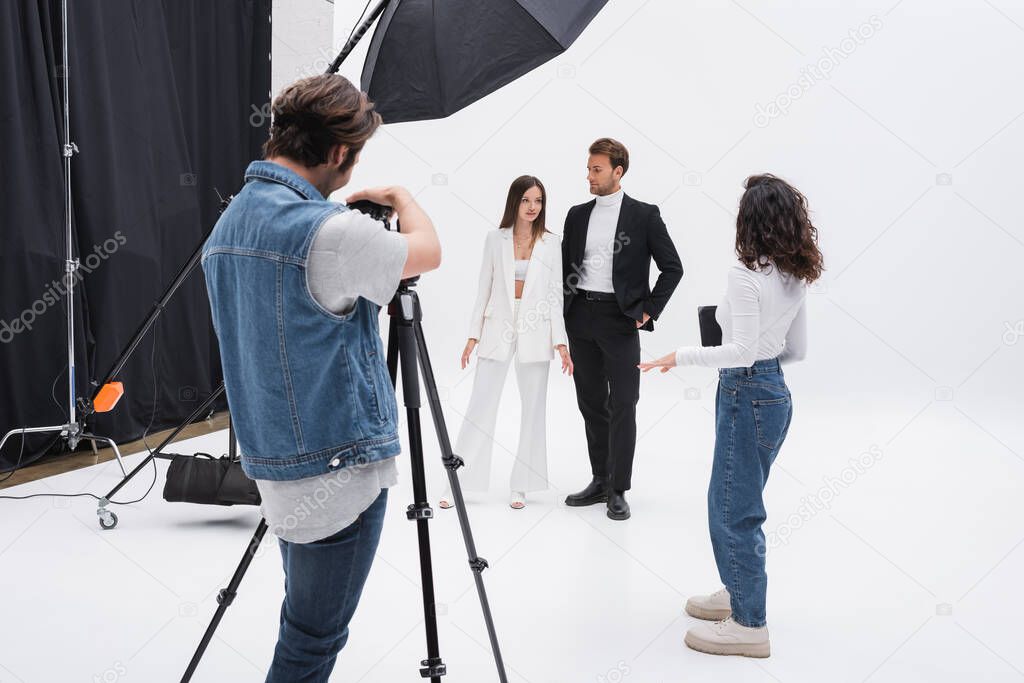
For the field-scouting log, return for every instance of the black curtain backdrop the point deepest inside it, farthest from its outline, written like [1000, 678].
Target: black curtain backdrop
[165, 101]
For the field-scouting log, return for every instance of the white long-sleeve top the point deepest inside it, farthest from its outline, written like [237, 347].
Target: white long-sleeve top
[763, 315]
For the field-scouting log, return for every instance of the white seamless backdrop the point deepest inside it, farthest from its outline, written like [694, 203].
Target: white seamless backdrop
[895, 536]
[901, 122]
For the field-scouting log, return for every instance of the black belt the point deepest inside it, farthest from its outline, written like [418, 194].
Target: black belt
[596, 296]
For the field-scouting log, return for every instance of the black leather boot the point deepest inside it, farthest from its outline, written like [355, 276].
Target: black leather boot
[618, 508]
[596, 492]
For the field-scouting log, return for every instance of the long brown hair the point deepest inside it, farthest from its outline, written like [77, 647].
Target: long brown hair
[515, 195]
[773, 225]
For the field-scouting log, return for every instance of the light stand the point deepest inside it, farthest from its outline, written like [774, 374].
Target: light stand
[73, 431]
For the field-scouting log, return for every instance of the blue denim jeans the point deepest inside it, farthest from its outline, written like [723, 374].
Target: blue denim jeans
[753, 409]
[323, 581]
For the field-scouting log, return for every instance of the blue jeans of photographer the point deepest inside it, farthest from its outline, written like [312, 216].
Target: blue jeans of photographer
[323, 583]
[753, 409]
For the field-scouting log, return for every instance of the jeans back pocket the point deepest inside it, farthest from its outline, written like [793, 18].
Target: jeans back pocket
[771, 420]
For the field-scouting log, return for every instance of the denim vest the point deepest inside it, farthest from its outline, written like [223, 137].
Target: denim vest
[308, 390]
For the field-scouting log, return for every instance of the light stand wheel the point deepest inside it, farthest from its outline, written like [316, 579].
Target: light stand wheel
[108, 519]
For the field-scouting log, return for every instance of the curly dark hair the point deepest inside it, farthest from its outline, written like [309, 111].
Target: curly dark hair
[773, 227]
[314, 114]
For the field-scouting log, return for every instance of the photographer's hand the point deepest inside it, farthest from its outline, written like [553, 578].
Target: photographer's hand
[388, 195]
[418, 230]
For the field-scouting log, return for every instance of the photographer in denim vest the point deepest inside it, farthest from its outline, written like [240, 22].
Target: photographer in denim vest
[296, 283]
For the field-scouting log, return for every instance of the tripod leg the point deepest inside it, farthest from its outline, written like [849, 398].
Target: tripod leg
[419, 511]
[225, 598]
[411, 344]
[393, 350]
[452, 464]
[232, 442]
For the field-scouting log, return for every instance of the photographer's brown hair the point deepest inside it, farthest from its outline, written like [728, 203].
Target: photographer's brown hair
[314, 114]
[614, 150]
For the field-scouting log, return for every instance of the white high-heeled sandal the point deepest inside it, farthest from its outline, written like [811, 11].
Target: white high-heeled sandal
[446, 502]
[517, 500]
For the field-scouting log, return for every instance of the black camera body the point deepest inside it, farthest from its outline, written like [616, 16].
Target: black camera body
[378, 212]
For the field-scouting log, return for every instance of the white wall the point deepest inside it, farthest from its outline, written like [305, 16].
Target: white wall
[301, 39]
[909, 152]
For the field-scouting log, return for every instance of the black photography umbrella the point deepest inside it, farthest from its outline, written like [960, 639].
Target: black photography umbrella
[430, 58]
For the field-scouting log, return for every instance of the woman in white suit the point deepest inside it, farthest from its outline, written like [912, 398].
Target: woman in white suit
[518, 313]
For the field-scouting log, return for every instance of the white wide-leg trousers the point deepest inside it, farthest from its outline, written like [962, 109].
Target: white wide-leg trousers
[475, 444]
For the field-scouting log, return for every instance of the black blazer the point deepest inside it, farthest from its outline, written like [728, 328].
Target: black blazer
[641, 235]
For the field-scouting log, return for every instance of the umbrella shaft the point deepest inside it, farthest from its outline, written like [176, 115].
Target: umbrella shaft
[357, 36]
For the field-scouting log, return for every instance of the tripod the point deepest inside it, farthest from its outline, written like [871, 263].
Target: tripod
[406, 345]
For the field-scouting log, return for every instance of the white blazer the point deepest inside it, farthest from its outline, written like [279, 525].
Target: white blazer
[541, 325]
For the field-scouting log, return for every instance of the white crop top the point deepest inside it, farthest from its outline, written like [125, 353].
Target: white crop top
[521, 266]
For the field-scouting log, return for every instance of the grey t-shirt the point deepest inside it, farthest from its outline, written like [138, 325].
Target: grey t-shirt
[351, 256]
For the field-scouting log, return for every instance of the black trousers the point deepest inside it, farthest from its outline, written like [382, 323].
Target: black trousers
[605, 348]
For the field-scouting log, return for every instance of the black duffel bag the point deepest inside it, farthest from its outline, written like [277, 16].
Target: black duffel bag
[204, 479]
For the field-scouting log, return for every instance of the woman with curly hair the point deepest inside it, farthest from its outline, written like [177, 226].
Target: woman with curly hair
[764, 324]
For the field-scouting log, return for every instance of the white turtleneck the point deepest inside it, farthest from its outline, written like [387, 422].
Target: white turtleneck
[600, 248]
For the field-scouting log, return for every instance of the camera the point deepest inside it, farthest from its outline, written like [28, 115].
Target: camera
[378, 212]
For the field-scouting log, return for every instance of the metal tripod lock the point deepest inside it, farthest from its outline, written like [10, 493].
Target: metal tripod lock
[453, 462]
[432, 668]
[418, 511]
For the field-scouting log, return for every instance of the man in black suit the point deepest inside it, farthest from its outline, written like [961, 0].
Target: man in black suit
[607, 247]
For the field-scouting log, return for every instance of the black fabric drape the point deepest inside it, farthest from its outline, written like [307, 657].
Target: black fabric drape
[162, 97]
[32, 209]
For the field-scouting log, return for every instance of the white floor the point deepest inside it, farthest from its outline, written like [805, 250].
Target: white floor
[911, 573]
